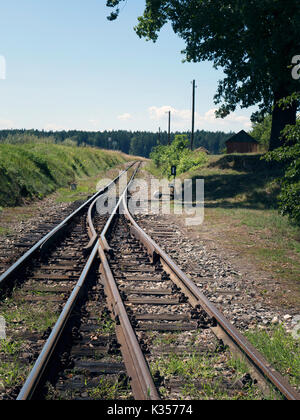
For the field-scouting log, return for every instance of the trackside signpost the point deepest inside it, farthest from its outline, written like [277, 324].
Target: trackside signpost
[172, 187]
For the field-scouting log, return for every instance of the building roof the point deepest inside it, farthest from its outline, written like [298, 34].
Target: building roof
[242, 137]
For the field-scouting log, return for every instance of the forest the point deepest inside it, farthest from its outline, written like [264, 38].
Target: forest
[139, 143]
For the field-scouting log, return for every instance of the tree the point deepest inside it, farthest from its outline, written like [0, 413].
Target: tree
[288, 156]
[254, 42]
[261, 131]
[178, 154]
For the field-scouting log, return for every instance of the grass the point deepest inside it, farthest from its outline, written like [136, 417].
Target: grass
[4, 231]
[108, 390]
[280, 349]
[9, 347]
[87, 186]
[13, 373]
[36, 318]
[150, 167]
[201, 376]
[241, 215]
[36, 170]
[32, 318]
[241, 218]
[202, 373]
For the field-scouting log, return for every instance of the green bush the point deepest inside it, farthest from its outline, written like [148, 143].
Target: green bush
[178, 154]
[261, 131]
[289, 156]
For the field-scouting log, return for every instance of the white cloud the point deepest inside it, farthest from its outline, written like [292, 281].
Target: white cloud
[2, 67]
[181, 119]
[178, 115]
[53, 127]
[125, 117]
[94, 122]
[6, 124]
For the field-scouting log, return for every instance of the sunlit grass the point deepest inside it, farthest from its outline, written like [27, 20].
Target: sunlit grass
[280, 349]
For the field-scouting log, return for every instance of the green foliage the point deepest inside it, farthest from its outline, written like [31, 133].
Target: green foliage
[280, 349]
[261, 131]
[177, 154]
[26, 138]
[138, 143]
[289, 198]
[35, 170]
[244, 38]
[289, 156]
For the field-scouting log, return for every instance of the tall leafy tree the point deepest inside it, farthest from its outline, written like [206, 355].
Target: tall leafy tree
[254, 42]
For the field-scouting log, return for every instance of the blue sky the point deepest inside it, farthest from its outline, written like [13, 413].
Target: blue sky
[68, 67]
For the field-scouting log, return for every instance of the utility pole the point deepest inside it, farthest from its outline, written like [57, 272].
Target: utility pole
[169, 130]
[193, 116]
[159, 135]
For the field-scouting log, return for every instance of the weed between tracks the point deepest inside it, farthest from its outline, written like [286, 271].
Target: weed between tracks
[207, 376]
[107, 325]
[200, 374]
[108, 390]
[217, 375]
[27, 316]
[12, 372]
[17, 357]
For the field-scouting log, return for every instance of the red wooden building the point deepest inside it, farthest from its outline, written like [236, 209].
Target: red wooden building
[241, 143]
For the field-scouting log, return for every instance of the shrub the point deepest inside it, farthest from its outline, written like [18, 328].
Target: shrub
[178, 154]
[289, 156]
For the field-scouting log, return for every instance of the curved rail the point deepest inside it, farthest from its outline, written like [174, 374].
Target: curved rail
[41, 363]
[231, 335]
[51, 236]
[142, 383]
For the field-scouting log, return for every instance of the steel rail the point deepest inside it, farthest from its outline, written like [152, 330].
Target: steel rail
[198, 298]
[142, 383]
[4, 278]
[41, 363]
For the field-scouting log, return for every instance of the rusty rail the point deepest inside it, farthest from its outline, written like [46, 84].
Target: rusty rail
[42, 244]
[142, 384]
[225, 330]
[41, 363]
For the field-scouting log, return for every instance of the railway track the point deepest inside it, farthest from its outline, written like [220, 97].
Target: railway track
[36, 288]
[140, 328]
[20, 243]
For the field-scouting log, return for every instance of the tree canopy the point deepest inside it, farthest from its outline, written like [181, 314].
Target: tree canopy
[288, 156]
[138, 143]
[253, 41]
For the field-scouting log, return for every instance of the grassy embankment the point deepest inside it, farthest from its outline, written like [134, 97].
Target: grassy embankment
[35, 170]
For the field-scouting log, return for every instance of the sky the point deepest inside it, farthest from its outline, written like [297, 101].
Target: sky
[64, 66]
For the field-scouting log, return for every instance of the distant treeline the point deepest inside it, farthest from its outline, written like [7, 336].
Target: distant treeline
[138, 143]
